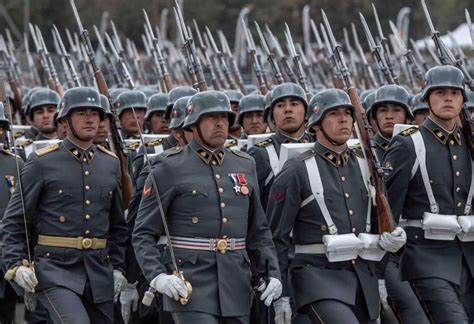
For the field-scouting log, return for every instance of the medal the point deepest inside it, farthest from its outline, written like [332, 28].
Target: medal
[240, 183]
[244, 190]
[235, 181]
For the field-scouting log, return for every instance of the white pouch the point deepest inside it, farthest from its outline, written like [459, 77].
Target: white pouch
[440, 227]
[342, 247]
[467, 226]
[371, 249]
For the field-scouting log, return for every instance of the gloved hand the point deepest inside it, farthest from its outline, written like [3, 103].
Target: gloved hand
[392, 242]
[271, 291]
[170, 285]
[282, 310]
[26, 278]
[120, 283]
[129, 301]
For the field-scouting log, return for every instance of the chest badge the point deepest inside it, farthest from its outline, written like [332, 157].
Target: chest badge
[240, 183]
[10, 183]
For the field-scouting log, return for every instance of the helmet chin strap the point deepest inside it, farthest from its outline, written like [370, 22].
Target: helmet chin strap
[198, 127]
[332, 141]
[73, 130]
[432, 111]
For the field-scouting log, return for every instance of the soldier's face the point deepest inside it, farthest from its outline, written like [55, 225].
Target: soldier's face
[62, 129]
[103, 132]
[289, 115]
[129, 123]
[445, 103]
[387, 115]
[214, 129]
[158, 123]
[337, 125]
[43, 119]
[253, 123]
[85, 122]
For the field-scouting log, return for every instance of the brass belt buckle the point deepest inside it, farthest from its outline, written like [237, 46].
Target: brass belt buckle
[221, 245]
[86, 243]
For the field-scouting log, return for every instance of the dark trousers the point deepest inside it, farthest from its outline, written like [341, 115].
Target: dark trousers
[7, 305]
[334, 311]
[204, 318]
[401, 298]
[65, 306]
[445, 302]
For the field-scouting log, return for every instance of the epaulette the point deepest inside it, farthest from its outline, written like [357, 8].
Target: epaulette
[18, 134]
[357, 150]
[154, 143]
[264, 143]
[47, 149]
[230, 143]
[133, 145]
[307, 154]
[409, 131]
[172, 151]
[106, 151]
[25, 143]
[242, 154]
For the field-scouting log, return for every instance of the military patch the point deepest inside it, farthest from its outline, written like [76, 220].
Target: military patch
[230, 143]
[278, 192]
[147, 190]
[409, 131]
[10, 183]
[264, 143]
[47, 149]
[106, 151]
[154, 143]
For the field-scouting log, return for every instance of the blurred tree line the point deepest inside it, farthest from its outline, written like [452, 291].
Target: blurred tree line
[222, 14]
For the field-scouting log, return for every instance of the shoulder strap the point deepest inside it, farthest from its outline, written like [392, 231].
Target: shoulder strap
[370, 190]
[273, 157]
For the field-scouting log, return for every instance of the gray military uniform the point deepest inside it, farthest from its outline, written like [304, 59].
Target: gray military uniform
[200, 201]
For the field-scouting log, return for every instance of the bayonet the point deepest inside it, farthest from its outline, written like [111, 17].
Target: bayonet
[67, 58]
[123, 68]
[297, 62]
[418, 55]
[233, 64]
[221, 59]
[366, 65]
[270, 58]
[282, 57]
[110, 64]
[253, 55]
[469, 25]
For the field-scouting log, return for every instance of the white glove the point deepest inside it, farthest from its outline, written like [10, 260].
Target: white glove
[129, 301]
[271, 291]
[392, 242]
[120, 283]
[170, 285]
[26, 278]
[282, 310]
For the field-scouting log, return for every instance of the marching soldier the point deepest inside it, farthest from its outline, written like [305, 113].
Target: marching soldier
[9, 175]
[155, 115]
[322, 197]
[250, 117]
[131, 125]
[420, 109]
[73, 192]
[43, 106]
[210, 199]
[235, 130]
[104, 126]
[288, 113]
[431, 186]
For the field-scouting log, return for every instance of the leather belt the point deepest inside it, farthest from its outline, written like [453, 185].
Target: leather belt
[206, 244]
[414, 223]
[80, 243]
[310, 249]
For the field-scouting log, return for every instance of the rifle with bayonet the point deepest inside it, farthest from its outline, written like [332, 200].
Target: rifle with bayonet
[49, 61]
[43, 59]
[67, 59]
[447, 58]
[281, 56]
[365, 133]
[110, 64]
[330, 59]
[33, 72]
[117, 141]
[424, 65]
[233, 63]
[14, 62]
[207, 58]
[270, 58]
[121, 63]
[368, 73]
[14, 86]
[252, 50]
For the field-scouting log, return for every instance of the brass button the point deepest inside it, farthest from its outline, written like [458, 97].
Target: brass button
[353, 261]
[87, 188]
[213, 162]
[346, 195]
[455, 157]
[87, 232]
[458, 173]
[218, 176]
[84, 160]
[343, 178]
[323, 228]
[451, 142]
[88, 202]
[354, 230]
[458, 189]
[195, 220]
[351, 212]
[48, 254]
[180, 261]
[60, 191]
[221, 190]
[194, 192]
[459, 204]
[62, 219]
[225, 220]
[222, 205]
[88, 216]
[86, 173]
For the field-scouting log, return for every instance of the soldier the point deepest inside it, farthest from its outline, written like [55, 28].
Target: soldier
[132, 121]
[250, 117]
[235, 130]
[73, 192]
[173, 95]
[288, 112]
[209, 196]
[155, 115]
[104, 126]
[9, 163]
[420, 109]
[43, 105]
[323, 195]
[438, 264]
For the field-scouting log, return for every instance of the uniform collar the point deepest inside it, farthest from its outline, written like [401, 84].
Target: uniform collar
[441, 134]
[381, 141]
[79, 153]
[207, 155]
[336, 159]
[283, 138]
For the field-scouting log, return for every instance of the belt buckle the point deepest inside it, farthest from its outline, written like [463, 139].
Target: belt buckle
[86, 243]
[221, 245]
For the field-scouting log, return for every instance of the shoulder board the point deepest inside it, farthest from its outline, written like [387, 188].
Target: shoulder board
[154, 143]
[357, 150]
[106, 151]
[18, 134]
[409, 131]
[47, 149]
[264, 143]
[133, 145]
[230, 143]
[242, 154]
[172, 151]
[25, 143]
[307, 154]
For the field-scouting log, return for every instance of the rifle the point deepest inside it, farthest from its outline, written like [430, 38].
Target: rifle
[33, 72]
[448, 58]
[14, 86]
[15, 65]
[67, 59]
[352, 55]
[210, 66]
[469, 24]
[49, 61]
[117, 140]
[110, 63]
[270, 58]
[121, 63]
[420, 57]
[369, 75]
[330, 59]
[43, 59]
[255, 63]
[365, 134]
[281, 56]
[233, 63]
